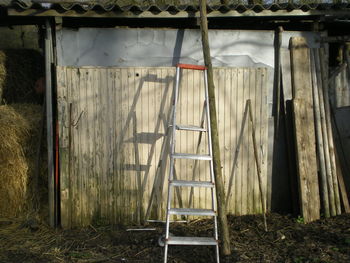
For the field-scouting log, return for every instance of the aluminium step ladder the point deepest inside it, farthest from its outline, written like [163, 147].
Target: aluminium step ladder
[173, 182]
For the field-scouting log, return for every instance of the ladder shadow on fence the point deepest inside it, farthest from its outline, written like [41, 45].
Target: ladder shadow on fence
[150, 138]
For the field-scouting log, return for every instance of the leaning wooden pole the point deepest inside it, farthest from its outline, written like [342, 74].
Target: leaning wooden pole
[257, 162]
[324, 73]
[220, 192]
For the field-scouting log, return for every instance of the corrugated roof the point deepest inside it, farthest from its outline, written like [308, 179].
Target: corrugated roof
[175, 6]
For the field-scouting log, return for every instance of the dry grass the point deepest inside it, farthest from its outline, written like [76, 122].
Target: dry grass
[19, 129]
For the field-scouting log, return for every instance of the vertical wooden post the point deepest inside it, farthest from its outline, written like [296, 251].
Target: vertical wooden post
[319, 141]
[277, 80]
[49, 123]
[220, 191]
[321, 100]
[324, 73]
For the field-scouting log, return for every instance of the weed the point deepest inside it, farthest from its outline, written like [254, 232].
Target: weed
[300, 220]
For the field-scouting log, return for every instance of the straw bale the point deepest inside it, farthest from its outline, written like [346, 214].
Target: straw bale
[19, 127]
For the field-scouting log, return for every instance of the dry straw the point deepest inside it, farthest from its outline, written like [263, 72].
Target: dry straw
[19, 125]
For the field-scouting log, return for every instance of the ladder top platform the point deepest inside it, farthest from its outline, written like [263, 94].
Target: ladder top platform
[189, 66]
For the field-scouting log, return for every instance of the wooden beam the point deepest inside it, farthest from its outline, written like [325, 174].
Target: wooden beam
[220, 191]
[49, 123]
[304, 130]
[319, 137]
[325, 87]
[277, 76]
[324, 136]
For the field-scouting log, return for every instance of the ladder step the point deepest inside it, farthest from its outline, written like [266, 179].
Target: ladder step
[191, 212]
[205, 157]
[195, 241]
[190, 128]
[189, 66]
[192, 183]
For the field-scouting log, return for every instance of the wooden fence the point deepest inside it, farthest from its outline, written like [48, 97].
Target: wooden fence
[113, 126]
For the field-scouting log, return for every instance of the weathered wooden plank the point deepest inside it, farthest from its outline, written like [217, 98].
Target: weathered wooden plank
[256, 103]
[83, 143]
[125, 179]
[70, 145]
[96, 181]
[78, 134]
[136, 193]
[118, 148]
[235, 132]
[300, 64]
[240, 109]
[63, 111]
[306, 160]
[76, 157]
[253, 175]
[226, 91]
[245, 147]
[264, 136]
[304, 129]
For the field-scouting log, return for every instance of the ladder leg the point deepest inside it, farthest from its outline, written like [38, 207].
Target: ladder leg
[166, 253]
[217, 254]
[172, 164]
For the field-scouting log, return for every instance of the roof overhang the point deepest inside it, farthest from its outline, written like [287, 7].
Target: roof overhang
[340, 13]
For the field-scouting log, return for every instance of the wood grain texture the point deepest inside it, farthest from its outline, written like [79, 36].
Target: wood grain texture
[119, 147]
[306, 160]
[319, 139]
[305, 141]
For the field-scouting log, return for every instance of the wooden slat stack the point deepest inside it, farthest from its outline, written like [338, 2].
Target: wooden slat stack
[314, 145]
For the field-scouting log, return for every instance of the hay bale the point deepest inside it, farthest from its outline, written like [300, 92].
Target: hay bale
[19, 127]
[19, 70]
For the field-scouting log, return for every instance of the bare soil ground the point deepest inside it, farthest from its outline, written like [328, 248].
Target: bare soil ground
[287, 240]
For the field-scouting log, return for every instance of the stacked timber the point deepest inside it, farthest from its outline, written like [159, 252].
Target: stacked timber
[314, 145]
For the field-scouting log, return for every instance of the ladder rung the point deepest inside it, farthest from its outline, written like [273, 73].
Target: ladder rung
[191, 212]
[192, 183]
[192, 156]
[196, 241]
[190, 128]
[189, 66]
